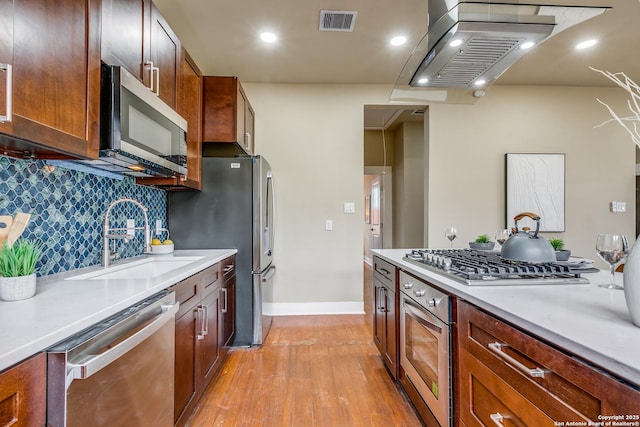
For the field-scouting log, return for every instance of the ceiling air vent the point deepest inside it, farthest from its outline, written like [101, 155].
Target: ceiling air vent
[419, 112]
[337, 20]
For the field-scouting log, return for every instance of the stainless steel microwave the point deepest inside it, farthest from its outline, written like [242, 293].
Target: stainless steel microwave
[140, 135]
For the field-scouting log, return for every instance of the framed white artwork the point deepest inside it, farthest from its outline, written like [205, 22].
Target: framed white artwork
[536, 183]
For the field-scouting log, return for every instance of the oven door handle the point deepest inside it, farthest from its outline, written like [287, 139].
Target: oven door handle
[100, 361]
[425, 317]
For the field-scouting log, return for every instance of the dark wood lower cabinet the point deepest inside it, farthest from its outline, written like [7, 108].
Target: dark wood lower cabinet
[208, 342]
[202, 333]
[507, 377]
[23, 393]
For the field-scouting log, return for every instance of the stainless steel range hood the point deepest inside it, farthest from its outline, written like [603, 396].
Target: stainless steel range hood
[469, 44]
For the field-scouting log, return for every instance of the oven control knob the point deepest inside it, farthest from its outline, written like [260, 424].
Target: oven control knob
[419, 292]
[447, 264]
[407, 285]
[433, 302]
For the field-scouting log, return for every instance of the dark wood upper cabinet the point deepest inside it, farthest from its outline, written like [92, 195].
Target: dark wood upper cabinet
[136, 37]
[227, 115]
[190, 107]
[165, 57]
[52, 48]
[126, 30]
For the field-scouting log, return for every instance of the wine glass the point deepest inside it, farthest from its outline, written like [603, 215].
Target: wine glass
[451, 233]
[612, 248]
[502, 235]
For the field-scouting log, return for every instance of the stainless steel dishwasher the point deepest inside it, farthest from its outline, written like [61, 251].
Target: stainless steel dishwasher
[117, 373]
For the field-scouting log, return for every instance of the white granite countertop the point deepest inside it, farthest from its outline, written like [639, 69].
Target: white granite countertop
[63, 307]
[586, 320]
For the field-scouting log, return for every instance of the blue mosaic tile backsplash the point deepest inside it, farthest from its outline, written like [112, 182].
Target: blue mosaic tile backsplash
[67, 211]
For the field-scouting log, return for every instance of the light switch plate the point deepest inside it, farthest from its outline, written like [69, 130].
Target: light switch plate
[328, 225]
[349, 208]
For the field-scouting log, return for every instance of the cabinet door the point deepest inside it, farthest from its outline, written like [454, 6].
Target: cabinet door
[379, 317]
[249, 127]
[6, 58]
[56, 75]
[126, 35]
[227, 312]
[390, 342]
[165, 56]
[23, 393]
[190, 107]
[185, 395]
[208, 346]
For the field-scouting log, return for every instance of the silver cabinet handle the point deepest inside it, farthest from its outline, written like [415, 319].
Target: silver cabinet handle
[205, 324]
[154, 84]
[496, 348]
[200, 312]
[100, 361]
[497, 419]
[6, 68]
[248, 139]
[228, 268]
[224, 291]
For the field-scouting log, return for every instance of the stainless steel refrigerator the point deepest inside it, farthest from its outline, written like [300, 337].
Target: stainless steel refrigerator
[233, 210]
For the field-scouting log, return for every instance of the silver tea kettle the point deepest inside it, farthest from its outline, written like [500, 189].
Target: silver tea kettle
[524, 246]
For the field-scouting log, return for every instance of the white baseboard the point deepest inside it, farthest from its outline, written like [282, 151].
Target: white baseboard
[368, 260]
[314, 308]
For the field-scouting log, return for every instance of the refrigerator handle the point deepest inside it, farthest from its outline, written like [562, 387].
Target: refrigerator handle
[270, 214]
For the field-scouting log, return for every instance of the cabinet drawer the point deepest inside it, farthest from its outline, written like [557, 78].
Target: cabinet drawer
[228, 268]
[492, 402]
[385, 272]
[211, 279]
[190, 290]
[565, 387]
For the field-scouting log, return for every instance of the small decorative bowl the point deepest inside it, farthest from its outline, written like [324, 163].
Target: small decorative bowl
[563, 255]
[161, 249]
[482, 246]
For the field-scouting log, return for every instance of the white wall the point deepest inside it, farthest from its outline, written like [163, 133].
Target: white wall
[312, 136]
[467, 172]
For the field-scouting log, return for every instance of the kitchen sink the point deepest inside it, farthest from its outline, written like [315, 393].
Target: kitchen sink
[143, 269]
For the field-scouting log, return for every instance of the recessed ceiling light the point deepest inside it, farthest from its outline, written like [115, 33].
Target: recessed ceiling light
[398, 41]
[423, 80]
[527, 45]
[586, 44]
[456, 42]
[268, 37]
[480, 82]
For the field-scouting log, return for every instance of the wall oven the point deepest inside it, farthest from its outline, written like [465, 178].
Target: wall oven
[425, 345]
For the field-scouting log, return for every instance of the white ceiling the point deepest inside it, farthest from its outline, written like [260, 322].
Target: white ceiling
[223, 38]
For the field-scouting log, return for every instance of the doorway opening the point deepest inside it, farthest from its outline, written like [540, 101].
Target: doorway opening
[378, 212]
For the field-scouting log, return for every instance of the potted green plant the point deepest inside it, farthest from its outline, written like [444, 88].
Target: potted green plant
[562, 254]
[18, 270]
[482, 243]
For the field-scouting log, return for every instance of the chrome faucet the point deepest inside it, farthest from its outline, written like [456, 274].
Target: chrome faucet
[107, 254]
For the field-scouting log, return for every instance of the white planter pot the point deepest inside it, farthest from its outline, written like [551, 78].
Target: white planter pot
[17, 288]
[631, 280]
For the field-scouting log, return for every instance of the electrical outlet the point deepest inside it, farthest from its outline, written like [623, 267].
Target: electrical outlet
[328, 225]
[131, 231]
[618, 207]
[158, 226]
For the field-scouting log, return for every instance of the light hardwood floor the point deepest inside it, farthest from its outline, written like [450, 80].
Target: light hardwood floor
[312, 371]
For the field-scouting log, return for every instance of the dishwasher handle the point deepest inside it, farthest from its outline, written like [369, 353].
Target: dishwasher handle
[100, 361]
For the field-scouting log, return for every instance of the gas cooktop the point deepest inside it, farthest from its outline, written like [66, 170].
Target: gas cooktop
[474, 268]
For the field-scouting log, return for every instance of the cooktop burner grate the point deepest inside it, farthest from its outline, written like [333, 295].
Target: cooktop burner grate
[489, 268]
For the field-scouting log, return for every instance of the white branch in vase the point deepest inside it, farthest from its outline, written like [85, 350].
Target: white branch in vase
[633, 89]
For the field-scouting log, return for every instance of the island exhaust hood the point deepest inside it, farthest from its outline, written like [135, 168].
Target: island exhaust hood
[469, 42]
